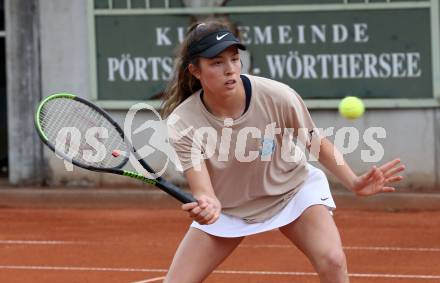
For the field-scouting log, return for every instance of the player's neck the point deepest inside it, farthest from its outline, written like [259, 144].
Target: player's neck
[228, 106]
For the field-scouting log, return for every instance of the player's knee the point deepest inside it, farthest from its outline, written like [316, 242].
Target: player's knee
[333, 261]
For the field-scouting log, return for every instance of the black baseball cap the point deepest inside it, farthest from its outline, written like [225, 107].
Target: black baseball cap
[214, 43]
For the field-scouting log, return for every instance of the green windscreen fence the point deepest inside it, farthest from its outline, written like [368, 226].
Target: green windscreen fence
[370, 53]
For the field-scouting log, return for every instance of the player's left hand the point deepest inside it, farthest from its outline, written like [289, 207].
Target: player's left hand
[377, 179]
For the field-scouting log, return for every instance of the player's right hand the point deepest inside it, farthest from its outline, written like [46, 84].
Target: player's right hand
[205, 211]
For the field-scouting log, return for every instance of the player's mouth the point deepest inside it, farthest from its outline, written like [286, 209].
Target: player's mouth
[230, 83]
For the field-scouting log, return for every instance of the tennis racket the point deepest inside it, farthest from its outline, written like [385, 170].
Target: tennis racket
[85, 135]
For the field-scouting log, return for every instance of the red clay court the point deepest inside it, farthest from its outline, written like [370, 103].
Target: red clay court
[43, 242]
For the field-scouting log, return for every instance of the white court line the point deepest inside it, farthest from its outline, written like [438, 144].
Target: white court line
[150, 280]
[371, 275]
[79, 268]
[241, 272]
[400, 249]
[35, 242]
[367, 248]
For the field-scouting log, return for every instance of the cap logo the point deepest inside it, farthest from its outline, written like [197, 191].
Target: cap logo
[219, 37]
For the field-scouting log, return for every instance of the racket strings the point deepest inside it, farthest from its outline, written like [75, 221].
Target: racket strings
[82, 133]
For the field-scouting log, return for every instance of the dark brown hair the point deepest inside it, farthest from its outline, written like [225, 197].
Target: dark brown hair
[183, 83]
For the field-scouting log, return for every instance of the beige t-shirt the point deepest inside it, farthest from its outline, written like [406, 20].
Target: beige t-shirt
[255, 162]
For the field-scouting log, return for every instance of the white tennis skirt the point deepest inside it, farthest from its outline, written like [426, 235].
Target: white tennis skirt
[315, 190]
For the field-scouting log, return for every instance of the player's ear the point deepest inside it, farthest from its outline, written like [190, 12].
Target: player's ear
[194, 70]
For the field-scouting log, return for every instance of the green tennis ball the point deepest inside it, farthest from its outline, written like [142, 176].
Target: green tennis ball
[351, 107]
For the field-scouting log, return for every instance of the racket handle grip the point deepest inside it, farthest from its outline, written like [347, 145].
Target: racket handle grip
[176, 192]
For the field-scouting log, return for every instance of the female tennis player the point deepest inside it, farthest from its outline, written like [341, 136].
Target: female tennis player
[238, 139]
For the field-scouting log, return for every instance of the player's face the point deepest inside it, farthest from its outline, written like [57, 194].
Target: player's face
[220, 75]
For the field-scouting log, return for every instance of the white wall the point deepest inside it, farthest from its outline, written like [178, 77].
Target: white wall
[64, 47]
[411, 135]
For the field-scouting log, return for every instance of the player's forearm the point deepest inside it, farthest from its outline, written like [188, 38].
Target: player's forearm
[199, 182]
[333, 161]
[198, 191]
